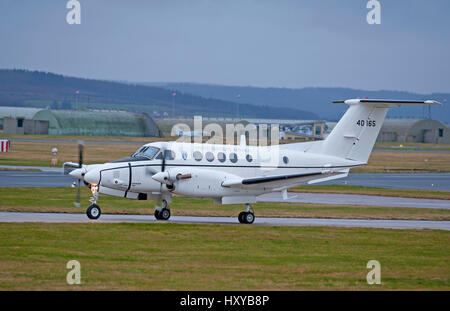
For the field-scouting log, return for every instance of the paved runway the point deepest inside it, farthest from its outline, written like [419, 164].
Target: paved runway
[355, 199]
[298, 222]
[424, 181]
[53, 177]
[420, 181]
[47, 178]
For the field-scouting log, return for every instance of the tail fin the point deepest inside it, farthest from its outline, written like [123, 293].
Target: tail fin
[355, 134]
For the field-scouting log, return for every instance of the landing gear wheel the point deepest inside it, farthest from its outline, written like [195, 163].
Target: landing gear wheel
[246, 217]
[241, 217]
[249, 217]
[93, 211]
[164, 214]
[157, 214]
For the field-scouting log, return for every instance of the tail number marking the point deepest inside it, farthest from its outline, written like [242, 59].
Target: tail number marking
[370, 123]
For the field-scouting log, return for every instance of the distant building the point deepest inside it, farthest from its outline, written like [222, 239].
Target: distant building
[295, 136]
[414, 131]
[20, 113]
[98, 123]
[24, 126]
[69, 122]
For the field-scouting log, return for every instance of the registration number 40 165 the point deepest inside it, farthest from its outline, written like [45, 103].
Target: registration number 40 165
[370, 123]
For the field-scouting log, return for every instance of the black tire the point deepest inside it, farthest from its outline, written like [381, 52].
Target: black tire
[157, 214]
[241, 217]
[164, 214]
[249, 217]
[93, 211]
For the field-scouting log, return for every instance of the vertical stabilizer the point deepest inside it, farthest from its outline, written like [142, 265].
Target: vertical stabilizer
[355, 134]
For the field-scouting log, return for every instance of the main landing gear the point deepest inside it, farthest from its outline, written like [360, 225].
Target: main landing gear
[247, 217]
[94, 211]
[162, 212]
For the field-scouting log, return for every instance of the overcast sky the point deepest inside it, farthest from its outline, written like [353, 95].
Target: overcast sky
[278, 43]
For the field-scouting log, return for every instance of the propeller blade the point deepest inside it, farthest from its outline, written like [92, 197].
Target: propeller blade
[163, 165]
[80, 165]
[80, 154]
[77, 199]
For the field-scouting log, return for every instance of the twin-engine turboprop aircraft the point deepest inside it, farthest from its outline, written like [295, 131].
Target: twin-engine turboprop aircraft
[238, 174]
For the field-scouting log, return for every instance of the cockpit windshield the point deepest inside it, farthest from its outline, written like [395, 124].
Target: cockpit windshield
[146, 151]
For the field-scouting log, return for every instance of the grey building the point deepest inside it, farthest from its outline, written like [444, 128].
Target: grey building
[17, 112]
[24, 126]
[414, 131]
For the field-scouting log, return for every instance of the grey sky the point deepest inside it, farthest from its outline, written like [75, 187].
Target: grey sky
[277, 43]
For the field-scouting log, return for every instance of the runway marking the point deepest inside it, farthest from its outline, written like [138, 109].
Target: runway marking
[15, 217]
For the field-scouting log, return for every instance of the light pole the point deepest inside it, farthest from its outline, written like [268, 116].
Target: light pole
[238, 96]
[173, 104]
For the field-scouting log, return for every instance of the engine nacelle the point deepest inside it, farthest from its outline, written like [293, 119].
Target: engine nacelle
[195, 182]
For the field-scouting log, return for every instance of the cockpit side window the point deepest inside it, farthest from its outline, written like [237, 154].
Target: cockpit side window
[146, 151]
[168, 154]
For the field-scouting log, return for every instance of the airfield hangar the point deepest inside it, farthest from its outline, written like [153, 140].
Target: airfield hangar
[98, 123]
[414, 131]
[84, 123]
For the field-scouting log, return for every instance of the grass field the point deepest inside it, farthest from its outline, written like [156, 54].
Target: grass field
[39, 154]
[61, 200]
[220, 257]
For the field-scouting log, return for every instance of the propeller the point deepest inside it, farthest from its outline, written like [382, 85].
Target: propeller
[80, 165]
[163, 167]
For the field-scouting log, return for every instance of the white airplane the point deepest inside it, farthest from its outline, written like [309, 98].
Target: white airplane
[238, 174]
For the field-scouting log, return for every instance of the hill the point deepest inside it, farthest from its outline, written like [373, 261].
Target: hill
[317, 100]
[42, 89]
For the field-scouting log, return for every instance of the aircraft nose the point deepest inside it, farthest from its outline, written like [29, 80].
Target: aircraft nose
[92, 176]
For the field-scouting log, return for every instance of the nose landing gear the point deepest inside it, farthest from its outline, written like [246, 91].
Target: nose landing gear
[247, 217]
[94, 211]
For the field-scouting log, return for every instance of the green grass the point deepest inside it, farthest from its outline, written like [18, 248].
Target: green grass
[61, 200]
[220, 257]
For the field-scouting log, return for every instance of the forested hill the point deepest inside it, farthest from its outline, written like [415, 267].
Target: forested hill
[317, 100]
[41, 89]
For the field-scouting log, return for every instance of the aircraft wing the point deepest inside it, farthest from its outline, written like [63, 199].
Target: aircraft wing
[281, 180]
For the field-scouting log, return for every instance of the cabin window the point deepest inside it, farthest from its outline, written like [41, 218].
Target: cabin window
[209, 156]
[198, 156]
[285, 160]
[249, 158]
[19, 122]
[221, 157]
[441, 132]
[233, 157]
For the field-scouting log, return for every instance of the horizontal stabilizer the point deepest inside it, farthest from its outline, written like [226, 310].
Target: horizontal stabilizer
[387, 102]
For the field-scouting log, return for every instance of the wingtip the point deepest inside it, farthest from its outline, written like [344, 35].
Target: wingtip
[433, 102]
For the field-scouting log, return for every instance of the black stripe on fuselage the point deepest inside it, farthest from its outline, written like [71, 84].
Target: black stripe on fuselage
[258, 180]
[129, 180]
